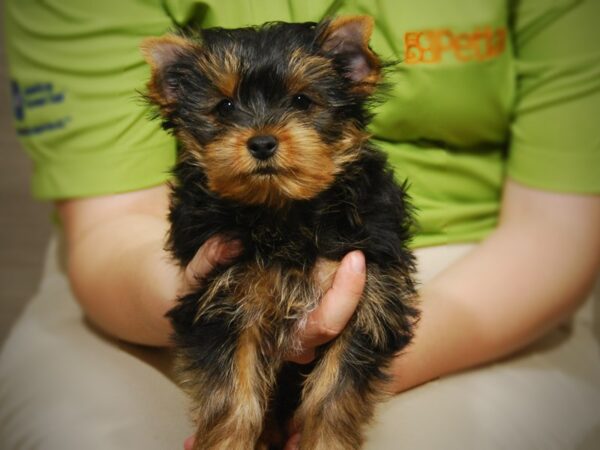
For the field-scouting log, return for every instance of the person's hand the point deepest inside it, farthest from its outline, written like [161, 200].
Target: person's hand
[343, 290]
[333, 313]
[216, 251]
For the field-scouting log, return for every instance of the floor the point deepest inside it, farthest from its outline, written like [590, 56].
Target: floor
[24, 224]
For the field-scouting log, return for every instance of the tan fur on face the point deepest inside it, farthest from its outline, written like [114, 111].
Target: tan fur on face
[306, 70]
[223, 72]
[305, 165]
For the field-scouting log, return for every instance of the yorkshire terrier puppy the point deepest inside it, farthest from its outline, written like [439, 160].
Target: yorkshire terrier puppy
[275, 153]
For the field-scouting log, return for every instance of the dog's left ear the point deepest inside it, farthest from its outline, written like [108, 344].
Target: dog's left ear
[346, 39]
[161, 53]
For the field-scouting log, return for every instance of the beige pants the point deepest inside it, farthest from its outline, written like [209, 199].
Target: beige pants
[64, 387]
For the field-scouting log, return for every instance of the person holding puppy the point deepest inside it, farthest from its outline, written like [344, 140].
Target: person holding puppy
[491, 118]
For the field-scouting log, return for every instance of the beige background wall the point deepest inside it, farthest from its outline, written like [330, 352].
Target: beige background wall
[24, 223]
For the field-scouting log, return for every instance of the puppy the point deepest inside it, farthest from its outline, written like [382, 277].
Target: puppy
[275, 153]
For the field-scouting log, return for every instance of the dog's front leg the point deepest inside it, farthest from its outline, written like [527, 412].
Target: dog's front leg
[335, 407]
[231, 405]
[340, 395]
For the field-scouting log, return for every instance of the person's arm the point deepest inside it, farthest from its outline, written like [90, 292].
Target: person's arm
[118, 268]
[527, 277]
[530, 274]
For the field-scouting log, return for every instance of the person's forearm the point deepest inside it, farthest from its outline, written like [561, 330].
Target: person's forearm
[524, 279]
[123, 278]
[118, 268]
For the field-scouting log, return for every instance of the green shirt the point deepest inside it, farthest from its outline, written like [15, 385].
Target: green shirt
[481, 90]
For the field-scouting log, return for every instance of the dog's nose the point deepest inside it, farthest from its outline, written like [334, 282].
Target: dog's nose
[262, 147]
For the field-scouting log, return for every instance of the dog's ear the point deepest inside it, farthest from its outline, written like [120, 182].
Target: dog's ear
[346, 40]
[161, 53]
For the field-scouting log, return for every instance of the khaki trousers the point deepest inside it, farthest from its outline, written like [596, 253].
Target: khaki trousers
[65, 387]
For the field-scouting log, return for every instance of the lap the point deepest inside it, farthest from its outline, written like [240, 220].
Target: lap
[65, 387]
[545, 397]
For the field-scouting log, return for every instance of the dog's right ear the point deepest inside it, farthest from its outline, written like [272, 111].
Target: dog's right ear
[161, 53]
[346, 40]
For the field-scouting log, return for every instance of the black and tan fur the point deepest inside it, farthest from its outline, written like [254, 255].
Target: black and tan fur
[325, 191]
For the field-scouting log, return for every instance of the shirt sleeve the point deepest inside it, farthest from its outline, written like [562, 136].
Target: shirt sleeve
[555, 134]
[76, 76]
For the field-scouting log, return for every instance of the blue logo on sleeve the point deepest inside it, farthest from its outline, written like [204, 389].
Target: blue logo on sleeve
[17, 101]
[37, 95]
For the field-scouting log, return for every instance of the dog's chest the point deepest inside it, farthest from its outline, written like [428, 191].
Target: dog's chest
[270, 296]
[289, 241]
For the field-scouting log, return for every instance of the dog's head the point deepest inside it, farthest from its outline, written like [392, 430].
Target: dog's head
[272, 113]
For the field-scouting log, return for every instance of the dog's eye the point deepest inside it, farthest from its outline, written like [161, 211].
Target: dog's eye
[225, 107]
[301, 102]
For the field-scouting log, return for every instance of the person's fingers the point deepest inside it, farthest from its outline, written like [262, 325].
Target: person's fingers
[339, 302]
[214, 252]
[189, 443]
[336, 308]
[293, 442]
